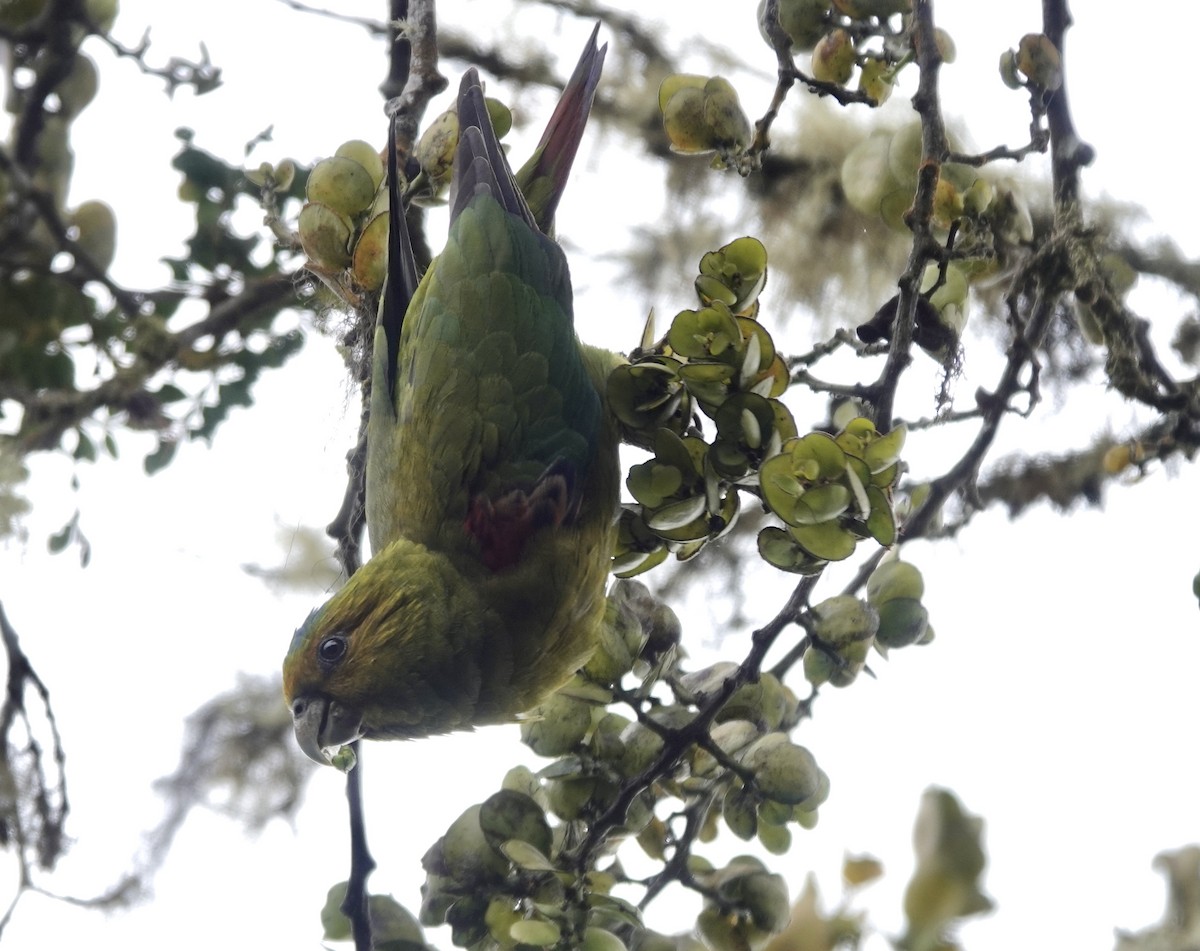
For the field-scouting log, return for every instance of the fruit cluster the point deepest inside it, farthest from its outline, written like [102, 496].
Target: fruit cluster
[843, 35]
[879, 179]
[506, 872]
[830, 491]
[343, 226]
[843, 629]
[434, 152]
[703, 114]
[719, 361]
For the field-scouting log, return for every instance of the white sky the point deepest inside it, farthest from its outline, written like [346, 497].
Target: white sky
[1058, 700]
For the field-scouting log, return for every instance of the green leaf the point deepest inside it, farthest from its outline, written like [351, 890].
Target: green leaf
[85, 449]
[776, 547]
[885, 451]
[635, 563]
[169, 393]
[536, 932]
[161, 457]
[881, 523]
[526, 856]
[61, 539]
[678, 515]
[336, 925]
[827, 540]
[821, 503]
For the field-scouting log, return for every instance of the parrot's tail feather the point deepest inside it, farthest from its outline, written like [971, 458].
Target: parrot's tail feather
[555, 153]
[479, 161]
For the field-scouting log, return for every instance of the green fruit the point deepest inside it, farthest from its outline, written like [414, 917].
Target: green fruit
[569, 798]
[902, 621]
[366, 155]
[945, 45]
[776, 839]
[370, 254]
[342, 184]
[746, 884]
[500, 116]
[729, 736]
[606, 737]
[509, 814]
[783, 771]
[844, 619]
[804, 21]
[557, 726]
[819, 666]
[641, 746]
[434, 151]
[684, 122]
[103, 13]
[833, 58]
[867, 176]
[729, 932]
[324, 236]
[978, 197]
[500, 916]
[876, 80]
[703, 117]
[674, 83]
[894, 579]
[96, 225]
[465, 852]
[79, 87]
[17, 13]
[598, 939]
[1039, 60]
[727, 123]
[762, 702]
[740, 812]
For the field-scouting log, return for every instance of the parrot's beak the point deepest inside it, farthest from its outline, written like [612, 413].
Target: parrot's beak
[323, 726]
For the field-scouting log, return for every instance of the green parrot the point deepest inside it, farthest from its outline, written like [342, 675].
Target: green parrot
[492, 467]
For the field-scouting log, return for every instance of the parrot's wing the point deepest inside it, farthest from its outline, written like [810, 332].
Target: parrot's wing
[495, 420]
[543, 178]
[402, 278]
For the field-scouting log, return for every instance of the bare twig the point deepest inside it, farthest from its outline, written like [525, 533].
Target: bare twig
[34, 811]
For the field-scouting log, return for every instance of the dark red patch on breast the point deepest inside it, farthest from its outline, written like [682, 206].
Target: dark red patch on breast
[503, 525]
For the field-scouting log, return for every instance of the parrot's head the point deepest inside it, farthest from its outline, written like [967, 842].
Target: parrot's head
[379, 659]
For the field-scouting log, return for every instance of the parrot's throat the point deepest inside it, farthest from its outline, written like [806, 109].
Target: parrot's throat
[502, 526]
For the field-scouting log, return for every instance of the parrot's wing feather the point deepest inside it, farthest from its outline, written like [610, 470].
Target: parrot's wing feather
[402, 279]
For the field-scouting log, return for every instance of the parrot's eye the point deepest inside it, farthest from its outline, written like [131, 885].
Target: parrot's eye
[331, 650]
